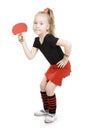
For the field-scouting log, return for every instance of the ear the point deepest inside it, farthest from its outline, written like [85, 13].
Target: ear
[48, 26]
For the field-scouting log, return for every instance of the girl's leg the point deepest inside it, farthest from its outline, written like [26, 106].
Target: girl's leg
[43, 93]
[44, 98]
[43, 84]
[50, 88]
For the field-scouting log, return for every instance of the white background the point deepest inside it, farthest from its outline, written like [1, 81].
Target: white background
[20, 78]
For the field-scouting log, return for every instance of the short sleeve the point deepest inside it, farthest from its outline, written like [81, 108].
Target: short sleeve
[52, 40]
[36, 42]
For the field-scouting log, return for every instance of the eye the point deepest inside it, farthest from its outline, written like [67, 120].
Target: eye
[35, 22]
[41, 23]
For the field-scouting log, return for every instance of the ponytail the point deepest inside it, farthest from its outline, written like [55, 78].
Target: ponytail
[51, 20]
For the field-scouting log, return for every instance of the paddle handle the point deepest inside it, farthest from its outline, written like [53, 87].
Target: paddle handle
[21, 37]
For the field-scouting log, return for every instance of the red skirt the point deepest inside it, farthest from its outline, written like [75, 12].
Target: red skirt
[56, 75]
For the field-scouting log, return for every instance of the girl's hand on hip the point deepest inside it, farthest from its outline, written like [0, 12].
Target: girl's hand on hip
[62, 62]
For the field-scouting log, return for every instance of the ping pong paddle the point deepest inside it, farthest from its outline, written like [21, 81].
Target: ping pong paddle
[19, 28]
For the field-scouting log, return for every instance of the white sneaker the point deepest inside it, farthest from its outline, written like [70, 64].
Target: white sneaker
[50, 118]
[41, 113]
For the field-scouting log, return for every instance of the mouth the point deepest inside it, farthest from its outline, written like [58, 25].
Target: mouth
[36, 30]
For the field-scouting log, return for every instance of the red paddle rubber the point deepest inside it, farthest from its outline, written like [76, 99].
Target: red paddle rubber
[19, 28]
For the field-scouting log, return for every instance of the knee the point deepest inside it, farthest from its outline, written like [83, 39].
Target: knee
[42, 87]
[50, 89]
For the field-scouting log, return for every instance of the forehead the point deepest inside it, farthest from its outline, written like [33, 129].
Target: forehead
[41, 17]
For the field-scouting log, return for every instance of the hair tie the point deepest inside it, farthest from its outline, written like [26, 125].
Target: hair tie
[46, 10]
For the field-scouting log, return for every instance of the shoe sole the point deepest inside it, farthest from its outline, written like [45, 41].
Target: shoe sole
[50, 121]
[40, 115]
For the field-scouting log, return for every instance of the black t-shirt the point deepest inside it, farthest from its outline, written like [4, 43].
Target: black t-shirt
[50, 50]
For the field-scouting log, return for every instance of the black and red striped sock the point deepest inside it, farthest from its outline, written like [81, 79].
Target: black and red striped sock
[44, 100]
[52, 104]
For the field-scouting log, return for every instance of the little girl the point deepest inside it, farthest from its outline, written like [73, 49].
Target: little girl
[50, 46]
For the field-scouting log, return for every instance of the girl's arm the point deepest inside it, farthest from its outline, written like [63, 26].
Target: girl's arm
[67, 46]
[67, 51]
[29, 53]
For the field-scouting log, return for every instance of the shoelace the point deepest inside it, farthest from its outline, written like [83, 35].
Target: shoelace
[51, 115]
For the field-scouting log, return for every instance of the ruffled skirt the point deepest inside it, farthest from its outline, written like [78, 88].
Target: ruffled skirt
[56, 75]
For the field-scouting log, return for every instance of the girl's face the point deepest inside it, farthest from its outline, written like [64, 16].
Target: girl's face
[41, 25]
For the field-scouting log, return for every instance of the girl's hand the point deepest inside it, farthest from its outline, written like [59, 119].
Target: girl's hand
[62, 62]
[21, 38]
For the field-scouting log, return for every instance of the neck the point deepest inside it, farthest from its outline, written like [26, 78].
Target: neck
[43, 35]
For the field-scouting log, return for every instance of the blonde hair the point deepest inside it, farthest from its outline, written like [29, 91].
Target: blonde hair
[51, 21]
